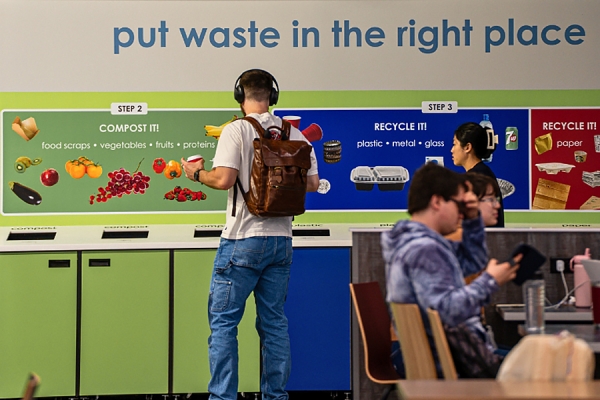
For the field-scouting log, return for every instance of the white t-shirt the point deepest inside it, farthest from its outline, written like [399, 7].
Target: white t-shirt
[235, 150]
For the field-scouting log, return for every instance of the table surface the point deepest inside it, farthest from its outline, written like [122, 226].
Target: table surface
[511, 312]
[588, 332]
[466, 389]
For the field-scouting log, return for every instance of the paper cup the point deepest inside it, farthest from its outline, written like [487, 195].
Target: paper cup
[294, 120]
[194, 158]
[580, 156]
[313, 133]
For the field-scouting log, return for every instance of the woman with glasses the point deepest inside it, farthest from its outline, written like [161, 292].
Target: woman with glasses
[488, 192]
[471, 145]
[490, 199]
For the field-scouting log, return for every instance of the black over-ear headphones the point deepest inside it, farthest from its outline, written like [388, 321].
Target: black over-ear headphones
[238, 90]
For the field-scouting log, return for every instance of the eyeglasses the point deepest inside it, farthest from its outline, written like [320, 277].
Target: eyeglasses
[492, 200]
[462, 206]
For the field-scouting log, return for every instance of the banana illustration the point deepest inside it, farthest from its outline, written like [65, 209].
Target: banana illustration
[215, 131]
[22, 163]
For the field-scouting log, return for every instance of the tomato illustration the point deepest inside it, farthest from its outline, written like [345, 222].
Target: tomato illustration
[77, 170]
[94, 170]
[68, 166]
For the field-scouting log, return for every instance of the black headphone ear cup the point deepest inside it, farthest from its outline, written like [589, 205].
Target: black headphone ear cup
[238, 91]
[274, 96]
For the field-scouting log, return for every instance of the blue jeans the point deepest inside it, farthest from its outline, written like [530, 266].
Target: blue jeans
[262, 265]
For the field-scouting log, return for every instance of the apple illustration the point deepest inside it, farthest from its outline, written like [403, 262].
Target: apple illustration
[49, 177]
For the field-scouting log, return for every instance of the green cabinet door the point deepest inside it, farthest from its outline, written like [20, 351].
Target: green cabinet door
[193, 270]
[124, 322]
[38, 309]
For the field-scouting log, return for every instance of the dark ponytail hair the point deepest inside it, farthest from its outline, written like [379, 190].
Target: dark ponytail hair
[481, 139]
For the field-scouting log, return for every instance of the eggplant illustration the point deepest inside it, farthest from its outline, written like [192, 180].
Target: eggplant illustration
[26, 194]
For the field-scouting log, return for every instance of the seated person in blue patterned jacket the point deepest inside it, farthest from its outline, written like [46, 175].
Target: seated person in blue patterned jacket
[423, 267]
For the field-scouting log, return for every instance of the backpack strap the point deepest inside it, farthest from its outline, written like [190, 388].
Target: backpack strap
[264, 133]
[235, 190]
[257, 126]
[260, 131]
[287, 127]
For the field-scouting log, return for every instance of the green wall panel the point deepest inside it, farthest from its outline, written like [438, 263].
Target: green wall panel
[38, 306]
[125, 323]
[193, 269]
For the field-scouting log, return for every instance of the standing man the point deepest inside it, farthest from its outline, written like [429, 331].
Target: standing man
[255, 253]
[424, 268]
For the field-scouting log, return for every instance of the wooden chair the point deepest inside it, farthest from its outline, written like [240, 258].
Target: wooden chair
[416, 351]
[374, 322]
[32, 383]
[441, 345]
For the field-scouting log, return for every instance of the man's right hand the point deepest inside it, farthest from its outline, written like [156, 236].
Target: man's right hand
[190, 167]
[503, 272]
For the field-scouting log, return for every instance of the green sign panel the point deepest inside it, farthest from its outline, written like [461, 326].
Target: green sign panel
[98, 161]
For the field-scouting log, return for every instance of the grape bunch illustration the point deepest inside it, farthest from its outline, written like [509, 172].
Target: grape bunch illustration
[122, 182]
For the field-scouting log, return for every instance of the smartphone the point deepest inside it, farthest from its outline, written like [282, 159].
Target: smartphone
[532, 261]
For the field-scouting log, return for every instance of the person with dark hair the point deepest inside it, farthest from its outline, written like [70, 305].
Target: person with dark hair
[254, 254]
[424, 268]
[489, 195]
[471, 145]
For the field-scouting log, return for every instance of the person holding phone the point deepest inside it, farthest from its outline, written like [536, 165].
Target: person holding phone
[424, 268]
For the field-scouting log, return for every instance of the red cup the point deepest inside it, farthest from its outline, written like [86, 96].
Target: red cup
[194, 158]
[313, 133]
[596, 303]
[294, 120]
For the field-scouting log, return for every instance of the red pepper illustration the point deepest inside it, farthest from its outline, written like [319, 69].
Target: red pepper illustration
[159, 165]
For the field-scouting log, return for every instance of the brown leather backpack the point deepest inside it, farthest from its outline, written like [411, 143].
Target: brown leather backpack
[278, 175]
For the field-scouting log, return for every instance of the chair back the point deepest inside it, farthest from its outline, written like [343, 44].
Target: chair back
[441, 345]
[32, 383]
[416, 351]
[374, 322]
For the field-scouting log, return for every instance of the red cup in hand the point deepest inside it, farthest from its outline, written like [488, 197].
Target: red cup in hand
[194, 158]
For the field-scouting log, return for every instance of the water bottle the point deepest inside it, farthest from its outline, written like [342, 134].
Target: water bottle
[534, 297]
[583, 287]
[485, 123]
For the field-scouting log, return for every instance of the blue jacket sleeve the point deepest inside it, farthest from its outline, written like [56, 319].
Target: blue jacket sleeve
[438, 283]
[472, 251]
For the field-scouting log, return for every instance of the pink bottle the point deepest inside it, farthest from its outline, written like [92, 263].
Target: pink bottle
[583, 291]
